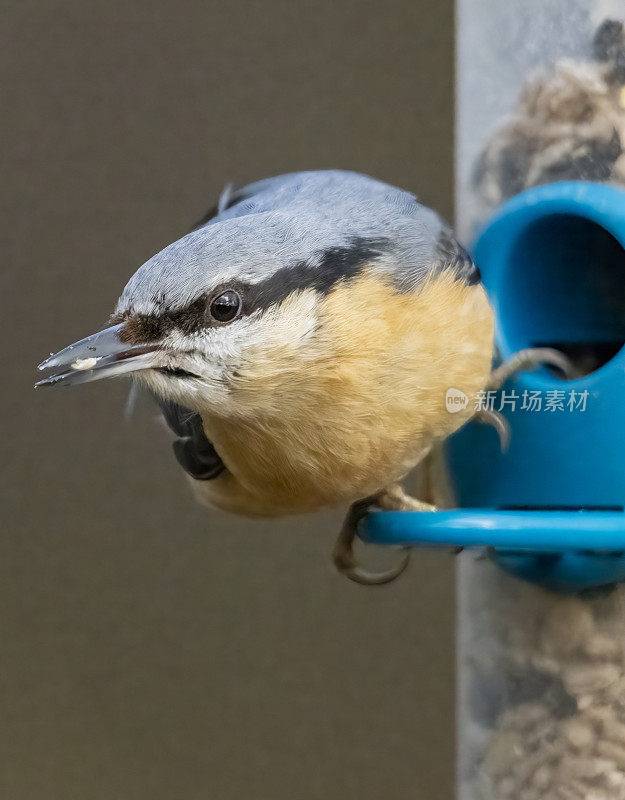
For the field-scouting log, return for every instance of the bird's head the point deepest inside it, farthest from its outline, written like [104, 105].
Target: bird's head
[228, 315]
[245, 308]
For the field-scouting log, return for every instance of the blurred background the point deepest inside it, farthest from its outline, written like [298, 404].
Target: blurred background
[150, 649]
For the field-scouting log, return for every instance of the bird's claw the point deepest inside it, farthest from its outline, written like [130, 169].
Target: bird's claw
[488, 416]
[529, 359]
[522, 361]
[392, 499]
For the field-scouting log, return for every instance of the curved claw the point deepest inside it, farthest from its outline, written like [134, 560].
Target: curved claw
[523, 360]
[531, 358]
[343, 552]
[489, 416]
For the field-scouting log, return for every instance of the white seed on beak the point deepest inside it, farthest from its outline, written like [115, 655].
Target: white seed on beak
[78, 364]
[84, 363]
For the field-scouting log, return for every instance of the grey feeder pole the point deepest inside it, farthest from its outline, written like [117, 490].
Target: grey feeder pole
[541, 713]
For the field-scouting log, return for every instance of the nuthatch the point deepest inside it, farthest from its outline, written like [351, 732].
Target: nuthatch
[301, 340]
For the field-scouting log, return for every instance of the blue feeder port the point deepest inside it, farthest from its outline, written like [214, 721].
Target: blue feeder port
[550, 509]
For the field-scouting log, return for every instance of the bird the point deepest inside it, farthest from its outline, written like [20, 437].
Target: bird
[300, 340]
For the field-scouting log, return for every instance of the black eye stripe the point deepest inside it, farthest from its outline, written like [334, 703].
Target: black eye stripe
[331, 266]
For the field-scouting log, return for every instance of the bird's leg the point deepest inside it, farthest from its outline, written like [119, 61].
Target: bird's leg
[393, 498]
[527, 360]
[522, 361]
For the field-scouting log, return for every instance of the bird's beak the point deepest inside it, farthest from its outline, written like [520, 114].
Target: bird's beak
[101, 355]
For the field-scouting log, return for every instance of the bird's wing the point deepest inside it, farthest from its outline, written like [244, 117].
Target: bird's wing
[451, 255]
[194, 452]
[230, 198]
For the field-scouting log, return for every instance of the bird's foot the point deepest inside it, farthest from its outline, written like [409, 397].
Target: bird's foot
[393, 498]
[523, 361]
[527, 360]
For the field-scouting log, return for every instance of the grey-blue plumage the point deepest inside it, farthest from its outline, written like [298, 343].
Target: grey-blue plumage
[308, 224]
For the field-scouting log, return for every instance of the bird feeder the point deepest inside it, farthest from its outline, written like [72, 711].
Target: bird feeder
[551, 507]
[541, 195]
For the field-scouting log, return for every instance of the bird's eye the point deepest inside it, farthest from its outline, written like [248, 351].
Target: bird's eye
[226, 306]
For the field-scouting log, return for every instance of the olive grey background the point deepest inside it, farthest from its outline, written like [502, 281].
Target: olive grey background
[150, 649]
